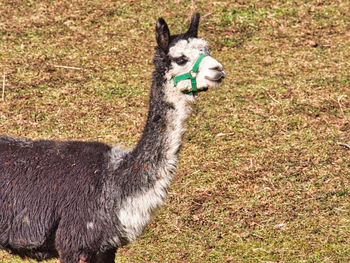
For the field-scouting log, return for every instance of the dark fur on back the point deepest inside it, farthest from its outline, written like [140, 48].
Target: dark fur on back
[40, 182]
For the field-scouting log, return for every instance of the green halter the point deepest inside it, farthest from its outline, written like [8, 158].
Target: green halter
[190, 75]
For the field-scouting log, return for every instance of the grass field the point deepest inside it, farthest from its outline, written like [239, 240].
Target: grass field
[264, 172]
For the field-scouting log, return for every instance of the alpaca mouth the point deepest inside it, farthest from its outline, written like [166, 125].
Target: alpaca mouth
[202, 89]
[219, 76]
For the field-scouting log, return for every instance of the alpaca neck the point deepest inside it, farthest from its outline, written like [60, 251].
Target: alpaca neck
[161, 139]
[148, 169]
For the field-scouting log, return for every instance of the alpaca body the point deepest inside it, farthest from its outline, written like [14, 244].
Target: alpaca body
[129, 187]
[59, 183]
[80, 201]
[44, 186]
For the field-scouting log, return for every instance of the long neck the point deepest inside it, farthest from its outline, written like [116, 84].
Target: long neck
[161, 139]
[145, 173]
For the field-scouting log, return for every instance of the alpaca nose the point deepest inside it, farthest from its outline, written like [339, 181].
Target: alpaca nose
[220, 69]
[220, 72]
[223, 74]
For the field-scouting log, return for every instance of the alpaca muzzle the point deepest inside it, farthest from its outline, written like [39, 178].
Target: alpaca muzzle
[191, 75]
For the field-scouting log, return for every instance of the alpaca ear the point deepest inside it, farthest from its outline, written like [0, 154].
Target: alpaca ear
[193, 30]
[162, 34]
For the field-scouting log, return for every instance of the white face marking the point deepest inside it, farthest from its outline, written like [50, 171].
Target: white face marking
[196, 46]
[209, 72]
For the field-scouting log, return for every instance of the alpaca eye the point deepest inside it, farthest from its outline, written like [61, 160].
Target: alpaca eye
[181, 60]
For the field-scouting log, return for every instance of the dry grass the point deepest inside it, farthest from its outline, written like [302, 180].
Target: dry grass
[264, 173]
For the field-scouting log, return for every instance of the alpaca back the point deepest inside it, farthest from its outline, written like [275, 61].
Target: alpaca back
[43, 181]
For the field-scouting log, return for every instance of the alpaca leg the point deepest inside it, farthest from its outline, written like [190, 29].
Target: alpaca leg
[106, 257]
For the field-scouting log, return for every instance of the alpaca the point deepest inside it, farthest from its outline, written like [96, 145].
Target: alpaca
[80, 201]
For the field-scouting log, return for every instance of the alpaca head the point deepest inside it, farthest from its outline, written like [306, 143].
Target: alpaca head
[183, 51]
